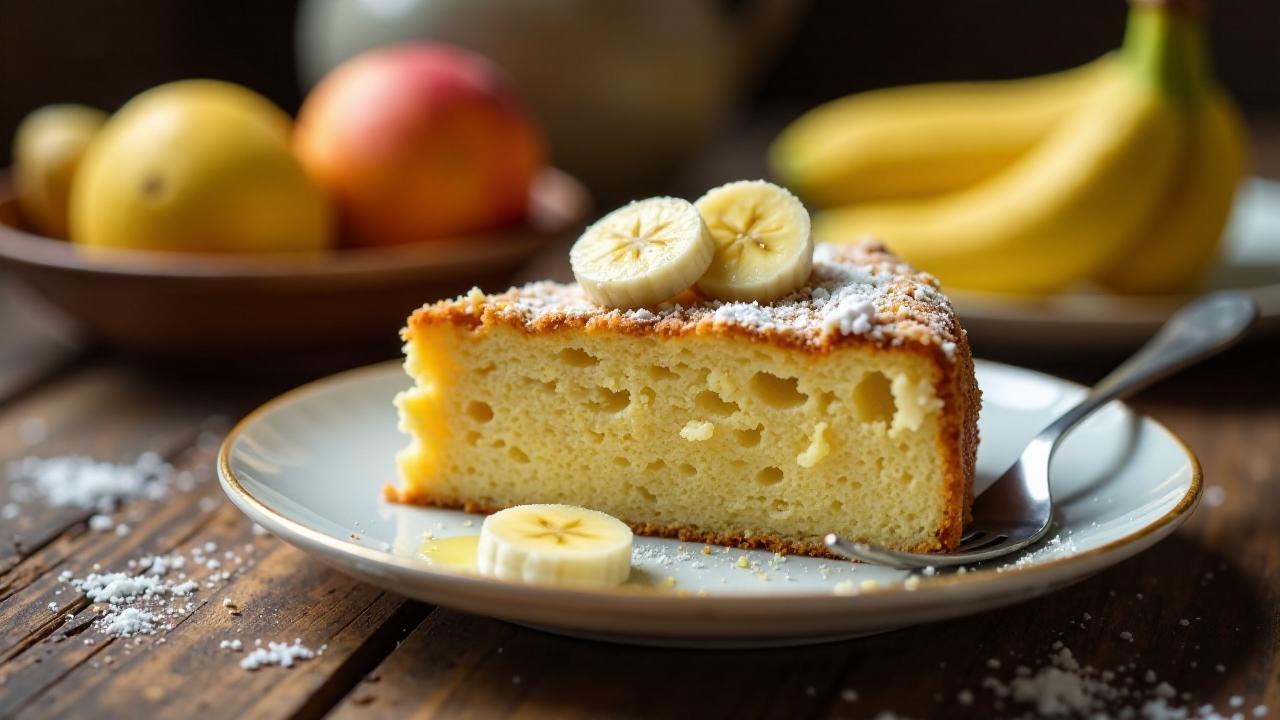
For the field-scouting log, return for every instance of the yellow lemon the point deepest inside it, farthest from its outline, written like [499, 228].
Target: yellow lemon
[197, 166]
[216, 93]
[47, 149]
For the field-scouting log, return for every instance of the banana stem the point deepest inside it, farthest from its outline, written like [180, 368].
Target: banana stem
[1164, 43]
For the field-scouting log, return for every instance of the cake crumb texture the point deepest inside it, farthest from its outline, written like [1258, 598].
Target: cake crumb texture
[730, 423]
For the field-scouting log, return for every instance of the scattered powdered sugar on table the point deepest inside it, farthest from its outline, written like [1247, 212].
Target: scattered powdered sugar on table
[128, 621]
[1215, 495]
[1056, 685]
[1063, 687]
[87, 483]
[154, 592]
[118, 587]
[276, 653]
[83, 482]
[100, 522]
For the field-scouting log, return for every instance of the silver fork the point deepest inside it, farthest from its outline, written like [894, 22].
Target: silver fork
[1017, 509]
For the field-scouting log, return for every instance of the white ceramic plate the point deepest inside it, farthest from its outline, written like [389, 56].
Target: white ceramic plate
[1080, 321]
[309, 467]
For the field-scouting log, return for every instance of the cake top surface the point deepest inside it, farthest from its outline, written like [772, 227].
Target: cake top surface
[856, 294]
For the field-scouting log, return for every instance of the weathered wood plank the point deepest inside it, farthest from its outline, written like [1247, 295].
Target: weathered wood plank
[458, 665]
[53, 649]
[285, 596]
[38, 341]
[32, 587]
[103, 411]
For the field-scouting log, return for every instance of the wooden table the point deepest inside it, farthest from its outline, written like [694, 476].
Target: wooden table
[385, 657]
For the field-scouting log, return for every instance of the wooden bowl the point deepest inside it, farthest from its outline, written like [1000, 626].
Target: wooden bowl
[187, 304]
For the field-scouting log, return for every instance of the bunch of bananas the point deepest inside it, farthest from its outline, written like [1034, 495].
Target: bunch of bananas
[1121, 171]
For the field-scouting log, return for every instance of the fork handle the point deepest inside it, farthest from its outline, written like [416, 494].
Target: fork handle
[1200, 329]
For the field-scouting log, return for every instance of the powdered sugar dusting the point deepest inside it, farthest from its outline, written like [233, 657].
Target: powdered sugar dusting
[83, 482]
[128, 621]
[150, 594]
[854, 315]
[854, 291]
[277, 653]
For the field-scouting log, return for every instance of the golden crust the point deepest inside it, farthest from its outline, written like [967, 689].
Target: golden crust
[907, 313]
[906, 309]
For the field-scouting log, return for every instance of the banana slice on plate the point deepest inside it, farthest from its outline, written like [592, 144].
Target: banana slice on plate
[642, 253]
[555, 544]
[764, 249]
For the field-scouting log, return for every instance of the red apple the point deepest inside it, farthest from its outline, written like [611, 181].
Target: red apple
[420, 141]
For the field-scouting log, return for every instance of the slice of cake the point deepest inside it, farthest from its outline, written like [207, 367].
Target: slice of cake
[847, 406]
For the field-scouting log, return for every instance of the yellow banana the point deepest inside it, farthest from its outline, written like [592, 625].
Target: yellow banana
[1179, 244]
[1060, 214]
[1072, 205]
[923, 139]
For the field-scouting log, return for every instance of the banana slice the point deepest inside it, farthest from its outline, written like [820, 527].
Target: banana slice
[763, 246]
[642, 253]
[556, 544]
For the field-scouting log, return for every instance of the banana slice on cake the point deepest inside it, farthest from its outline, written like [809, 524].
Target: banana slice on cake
[764, 249]
[642, 253]
[555, 544]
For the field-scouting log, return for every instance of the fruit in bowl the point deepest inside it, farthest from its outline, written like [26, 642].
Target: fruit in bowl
[47, 150]
[197, 166]
[191, 201]
[417, 142]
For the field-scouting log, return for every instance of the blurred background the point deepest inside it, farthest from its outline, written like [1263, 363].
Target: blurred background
[634, 99]
[102, 54]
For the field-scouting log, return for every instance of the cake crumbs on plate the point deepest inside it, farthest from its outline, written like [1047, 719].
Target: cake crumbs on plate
[845, 587]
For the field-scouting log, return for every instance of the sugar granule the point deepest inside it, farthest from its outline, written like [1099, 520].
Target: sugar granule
[128, 621]
[1215, 496]
[83, 482]
[100, 522]
[276, 653]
